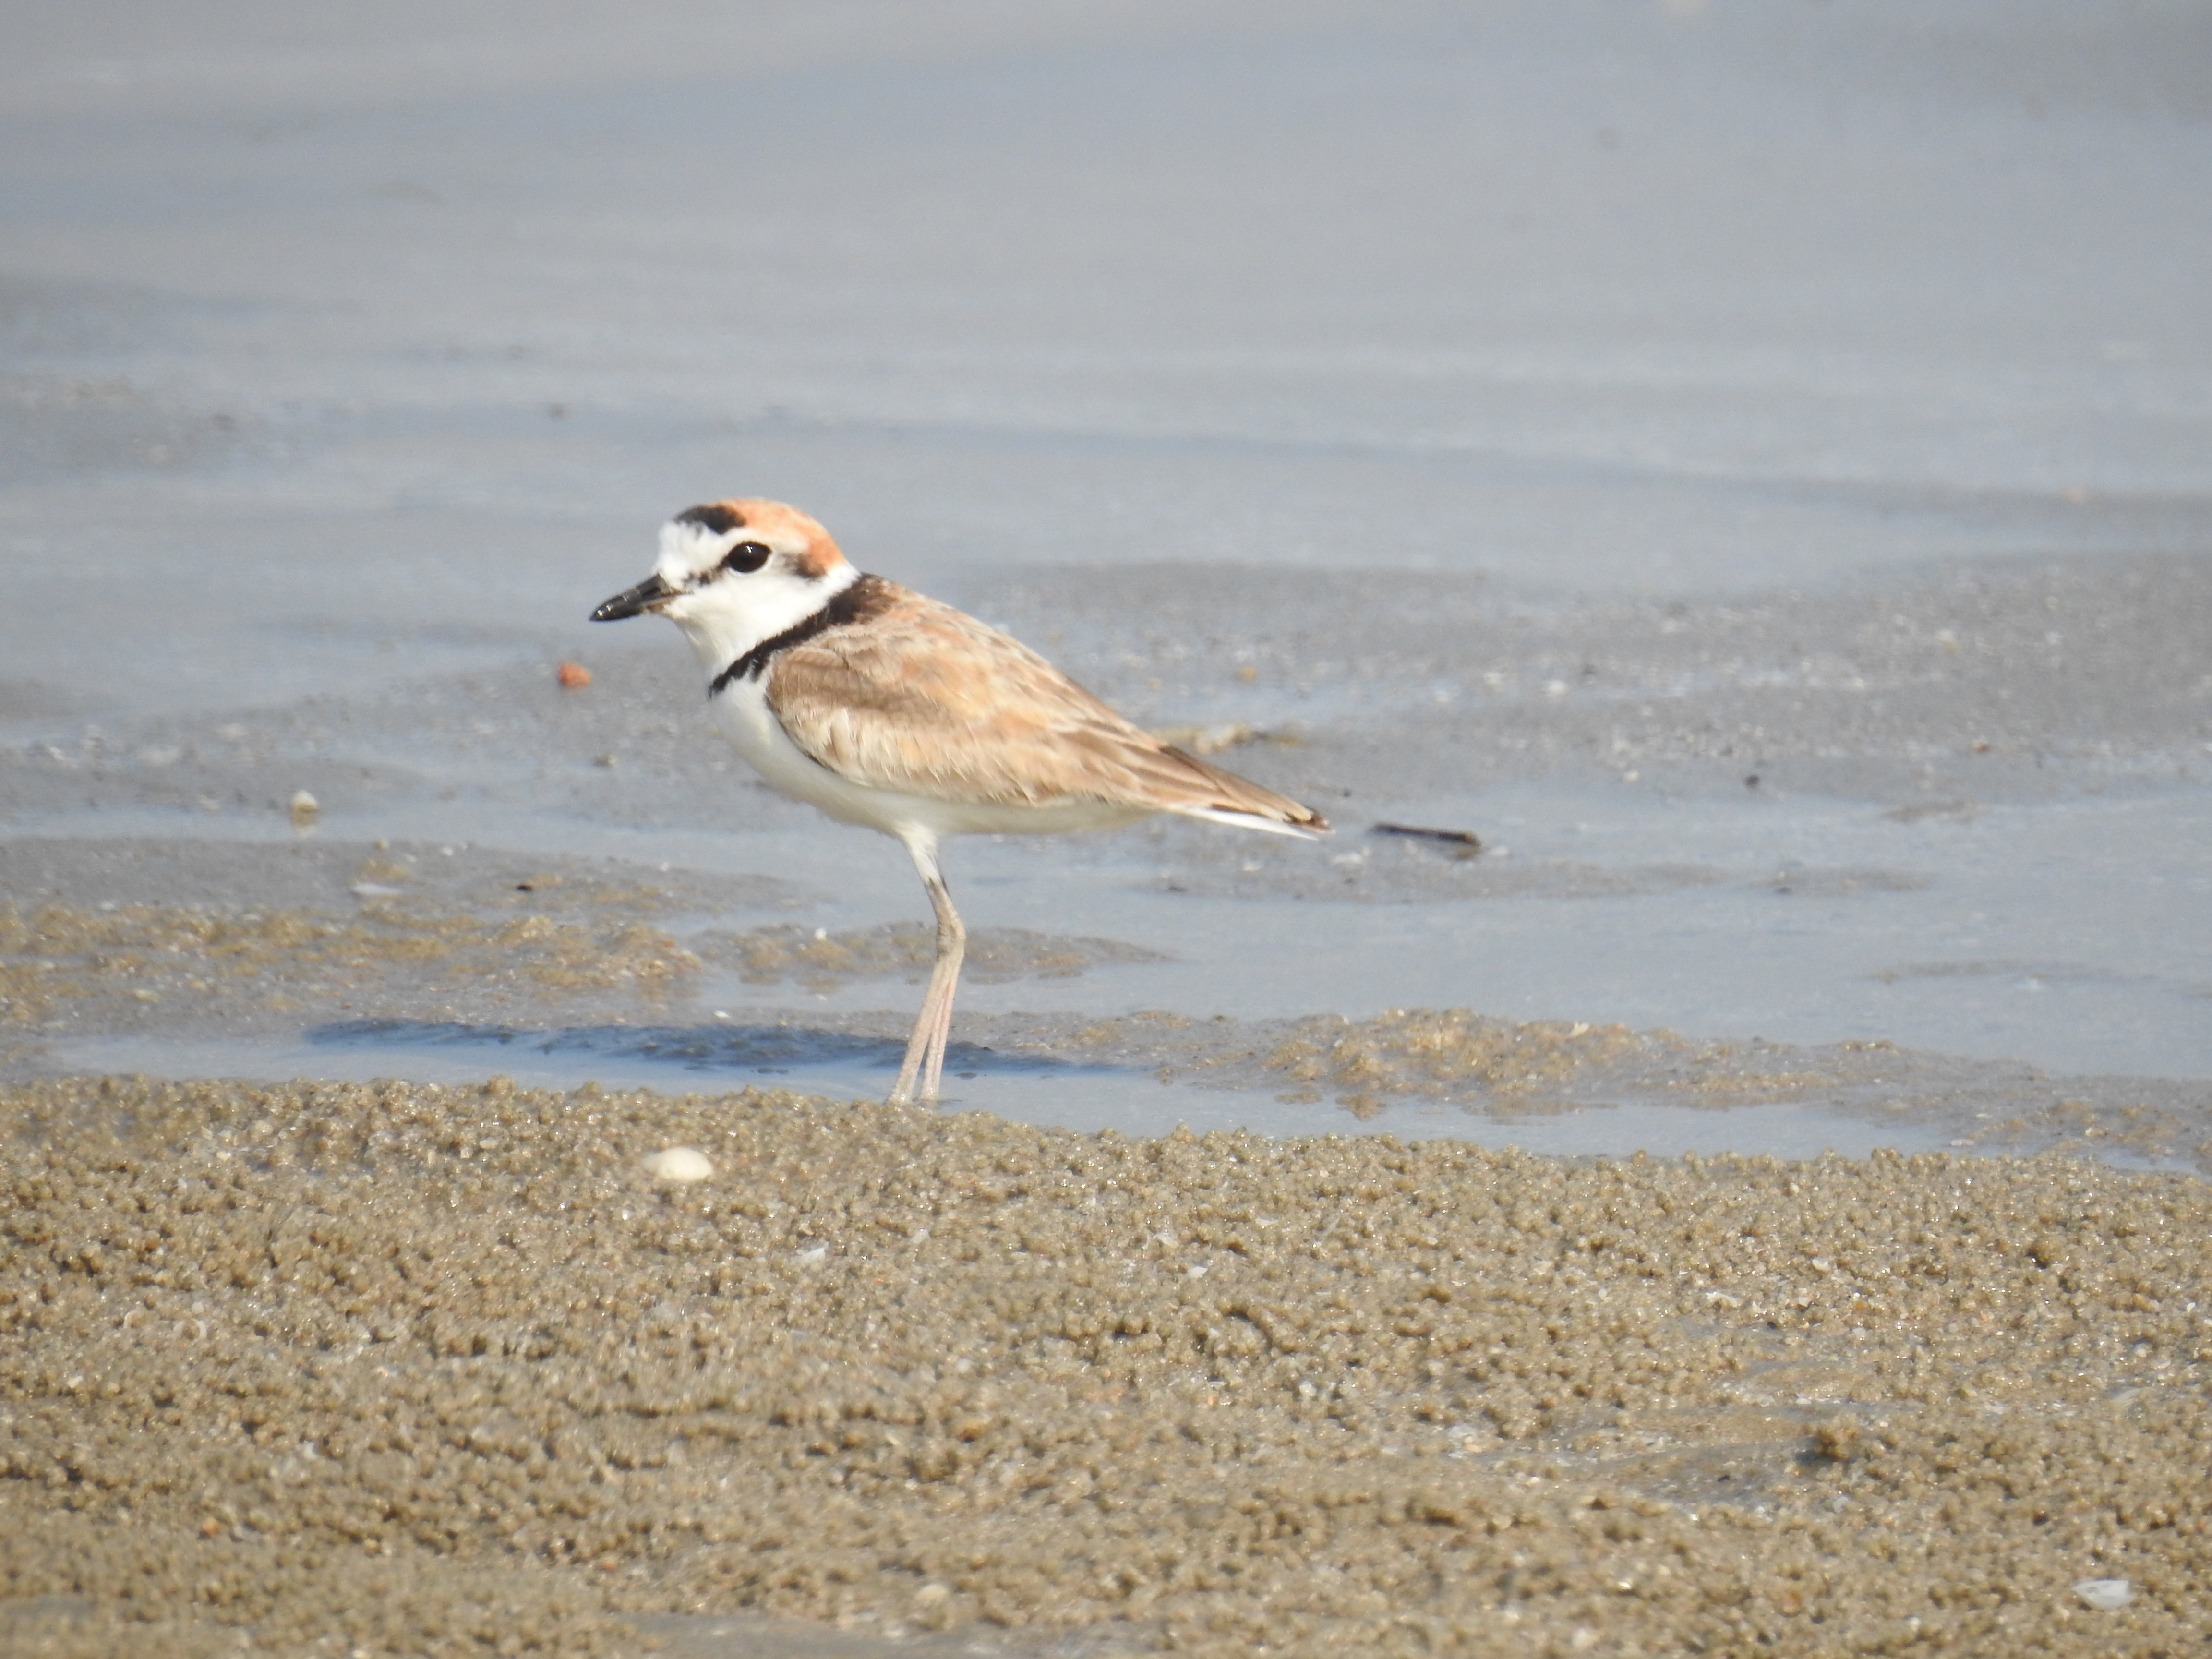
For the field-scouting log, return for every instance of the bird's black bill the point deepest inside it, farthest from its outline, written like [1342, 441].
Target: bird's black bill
[647, 595]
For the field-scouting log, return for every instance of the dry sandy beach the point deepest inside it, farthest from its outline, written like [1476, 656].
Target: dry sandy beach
[398, 1368]
[1742, 474]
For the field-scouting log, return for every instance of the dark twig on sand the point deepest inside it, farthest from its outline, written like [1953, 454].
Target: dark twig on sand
[1465, 843]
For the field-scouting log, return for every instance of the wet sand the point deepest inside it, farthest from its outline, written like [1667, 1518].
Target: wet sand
[396, 1369]
[385, 954]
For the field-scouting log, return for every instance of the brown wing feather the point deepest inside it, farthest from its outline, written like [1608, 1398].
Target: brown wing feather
[922, 698]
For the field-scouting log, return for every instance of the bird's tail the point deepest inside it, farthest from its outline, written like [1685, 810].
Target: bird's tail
[1245, 804]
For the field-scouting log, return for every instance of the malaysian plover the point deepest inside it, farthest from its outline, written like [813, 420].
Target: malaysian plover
[890, 710]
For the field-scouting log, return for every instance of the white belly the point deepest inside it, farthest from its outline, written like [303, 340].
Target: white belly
[742, 712]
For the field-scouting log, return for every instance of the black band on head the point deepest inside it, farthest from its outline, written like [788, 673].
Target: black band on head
[718, 519]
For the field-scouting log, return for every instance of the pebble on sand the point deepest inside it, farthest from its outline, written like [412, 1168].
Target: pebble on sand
[685, 1165]
[1209, 740]
[305, 807]
[2106, 1594]
[573, 675]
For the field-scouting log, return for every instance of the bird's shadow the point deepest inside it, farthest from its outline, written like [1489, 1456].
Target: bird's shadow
[756, 1050]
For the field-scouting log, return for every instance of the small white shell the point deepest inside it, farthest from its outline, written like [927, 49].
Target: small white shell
[683, 1164]
[2106, 1594]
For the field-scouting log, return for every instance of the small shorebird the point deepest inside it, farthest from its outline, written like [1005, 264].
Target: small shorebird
[890, 710]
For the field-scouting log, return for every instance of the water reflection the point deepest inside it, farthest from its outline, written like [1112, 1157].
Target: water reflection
[758, 1050]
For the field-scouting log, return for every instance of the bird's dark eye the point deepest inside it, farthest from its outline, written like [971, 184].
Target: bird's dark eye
[745, 558]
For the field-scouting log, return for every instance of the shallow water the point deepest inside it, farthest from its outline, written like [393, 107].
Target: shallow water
[1021, 1088]
[1540, 423]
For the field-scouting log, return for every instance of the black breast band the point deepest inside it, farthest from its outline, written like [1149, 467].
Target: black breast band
[842, 608]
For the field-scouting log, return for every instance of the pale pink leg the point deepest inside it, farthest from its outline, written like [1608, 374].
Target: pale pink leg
[933, 1068]
[925, 1049]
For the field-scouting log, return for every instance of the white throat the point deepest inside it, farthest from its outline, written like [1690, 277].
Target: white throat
[734, 615]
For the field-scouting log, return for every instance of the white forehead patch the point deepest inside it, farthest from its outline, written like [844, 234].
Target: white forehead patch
[689, 550]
